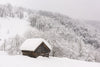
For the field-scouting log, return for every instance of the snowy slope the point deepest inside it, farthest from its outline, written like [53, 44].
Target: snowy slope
[10, 27]
[24, 61]
[95, 24]
[68, 37]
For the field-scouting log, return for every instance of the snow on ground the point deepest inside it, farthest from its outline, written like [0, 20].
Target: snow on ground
[9, 27]
[24, 61]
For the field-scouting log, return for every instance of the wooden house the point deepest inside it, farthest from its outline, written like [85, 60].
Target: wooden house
[36, 47]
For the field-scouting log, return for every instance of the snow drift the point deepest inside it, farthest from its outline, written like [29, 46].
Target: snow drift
[24, 61]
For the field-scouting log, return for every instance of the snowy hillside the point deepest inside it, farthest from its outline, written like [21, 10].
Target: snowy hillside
[67, 36]
[24, 61]
[95, 24]
[9, 27]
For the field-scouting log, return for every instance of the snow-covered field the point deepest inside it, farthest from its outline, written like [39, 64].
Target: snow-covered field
[24, 61]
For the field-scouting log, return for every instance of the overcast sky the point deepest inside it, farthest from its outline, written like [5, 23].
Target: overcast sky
[78, 9]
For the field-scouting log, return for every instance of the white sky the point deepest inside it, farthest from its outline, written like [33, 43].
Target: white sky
[78, 9]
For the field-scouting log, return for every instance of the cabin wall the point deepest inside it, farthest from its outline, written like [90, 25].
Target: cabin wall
[42, 50]
[29, 53]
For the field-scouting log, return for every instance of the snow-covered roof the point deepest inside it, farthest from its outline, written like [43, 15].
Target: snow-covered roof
[32, 44]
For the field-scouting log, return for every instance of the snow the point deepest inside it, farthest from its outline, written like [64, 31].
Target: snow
[32, 44]
[10, 27]
[24, 61]
[1, 42]
[68, 37]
